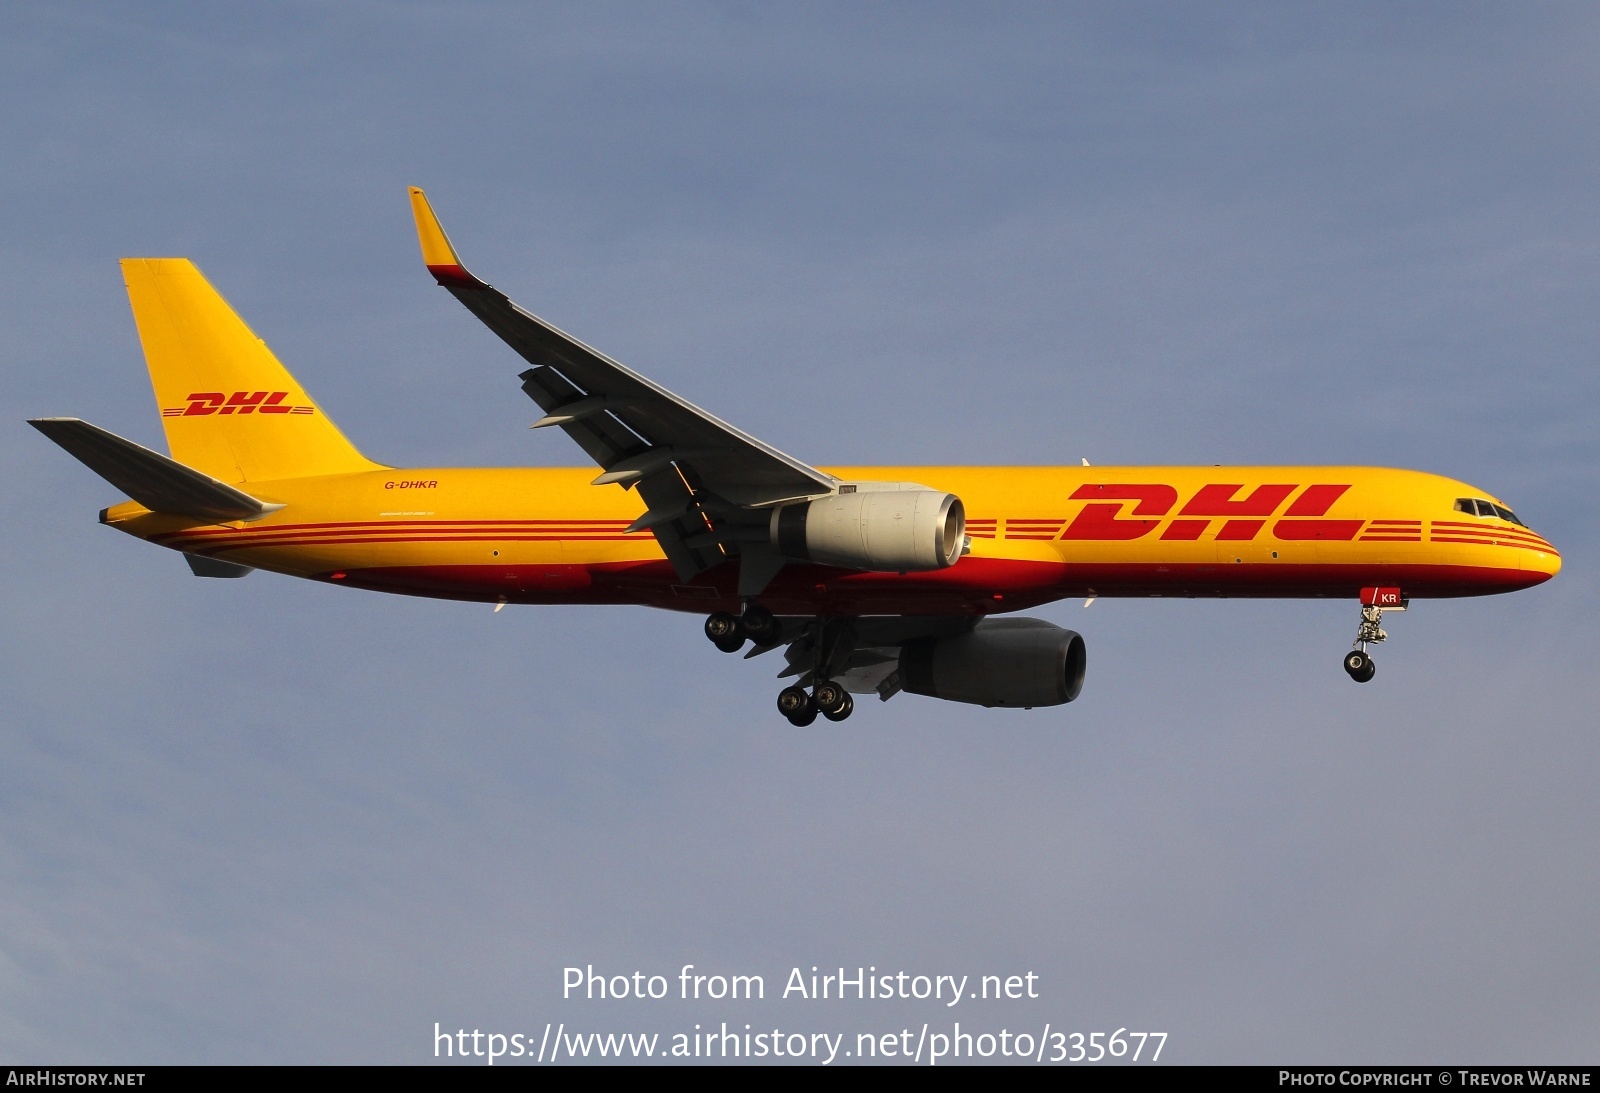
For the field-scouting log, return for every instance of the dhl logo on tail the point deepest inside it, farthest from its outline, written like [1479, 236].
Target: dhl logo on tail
[203, 403]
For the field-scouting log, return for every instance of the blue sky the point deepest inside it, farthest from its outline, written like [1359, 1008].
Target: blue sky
[265, 821]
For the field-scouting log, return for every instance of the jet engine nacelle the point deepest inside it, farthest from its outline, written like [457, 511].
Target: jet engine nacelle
[1001, 662]
[900, 529]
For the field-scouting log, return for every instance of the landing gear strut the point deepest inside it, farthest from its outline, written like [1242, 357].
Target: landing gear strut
[1374, 602]
[827, 646]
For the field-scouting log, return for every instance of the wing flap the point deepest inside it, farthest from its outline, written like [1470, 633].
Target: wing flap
[681, 535]
[601, 435]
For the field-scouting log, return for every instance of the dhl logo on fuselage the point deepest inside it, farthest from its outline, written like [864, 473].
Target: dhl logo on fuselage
[202, 403]
[1123, 512]
[1243, 517]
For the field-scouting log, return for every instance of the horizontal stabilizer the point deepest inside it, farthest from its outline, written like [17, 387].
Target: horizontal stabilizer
[156, 482]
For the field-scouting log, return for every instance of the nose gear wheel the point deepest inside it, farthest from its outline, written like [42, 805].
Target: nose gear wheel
[1359, 666]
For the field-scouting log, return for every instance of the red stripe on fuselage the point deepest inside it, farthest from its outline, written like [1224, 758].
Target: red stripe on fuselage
[974, 586]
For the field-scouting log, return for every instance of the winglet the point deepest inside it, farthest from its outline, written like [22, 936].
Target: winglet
[437, 253]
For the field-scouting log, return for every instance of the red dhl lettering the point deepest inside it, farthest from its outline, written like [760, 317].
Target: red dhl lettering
[1103, 520]
[1217, 501]
[1240, 531]
[1316, 500]
[1100, 521]
[206, 403]
[1185, 530]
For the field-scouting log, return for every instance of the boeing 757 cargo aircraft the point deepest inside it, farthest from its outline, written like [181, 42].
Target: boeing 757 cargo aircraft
[870, 579]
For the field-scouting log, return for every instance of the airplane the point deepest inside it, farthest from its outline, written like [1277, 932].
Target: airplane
[872, 580]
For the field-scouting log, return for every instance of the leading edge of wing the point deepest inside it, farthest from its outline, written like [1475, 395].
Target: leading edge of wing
[730, 462]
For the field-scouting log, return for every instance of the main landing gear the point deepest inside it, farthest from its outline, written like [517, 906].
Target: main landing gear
[1374, 602]
[827, 697]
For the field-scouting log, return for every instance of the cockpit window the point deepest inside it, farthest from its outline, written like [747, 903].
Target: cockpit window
[1477, 506]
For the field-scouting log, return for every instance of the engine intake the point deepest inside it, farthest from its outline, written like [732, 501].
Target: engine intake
[1000, 662]
[886, 530]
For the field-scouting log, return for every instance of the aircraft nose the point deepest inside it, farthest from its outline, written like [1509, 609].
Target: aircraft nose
[1545, 563]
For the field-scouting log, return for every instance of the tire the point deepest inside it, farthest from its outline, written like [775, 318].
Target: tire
[762, 626]
[801, 720]
[793, 701]
[725, 632]
[1359, 666]
[829, 696]
[843, 711]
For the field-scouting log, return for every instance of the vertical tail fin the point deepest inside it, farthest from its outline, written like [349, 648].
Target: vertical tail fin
[228, 406]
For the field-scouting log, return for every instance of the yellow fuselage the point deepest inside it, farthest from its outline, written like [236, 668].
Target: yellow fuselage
[534, 535]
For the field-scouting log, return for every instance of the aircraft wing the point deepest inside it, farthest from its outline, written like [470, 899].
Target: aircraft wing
[633, 428]
[702, 480]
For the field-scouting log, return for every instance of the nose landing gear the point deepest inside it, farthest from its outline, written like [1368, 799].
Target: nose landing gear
[1374, 602]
